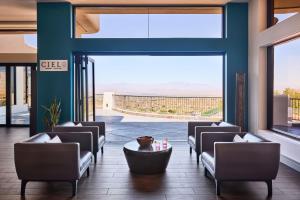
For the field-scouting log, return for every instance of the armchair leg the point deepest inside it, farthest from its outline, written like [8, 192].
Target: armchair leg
[95, 157]
[198, 157]
[205, 172]
[88, 172]
[218, 187]
[191, 150]
[102, 150]
[270, 190]
[74, 188]
[23, 187]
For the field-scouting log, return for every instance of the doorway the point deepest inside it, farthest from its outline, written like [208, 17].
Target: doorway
[84, 82]
[17, 94]
[149, 94]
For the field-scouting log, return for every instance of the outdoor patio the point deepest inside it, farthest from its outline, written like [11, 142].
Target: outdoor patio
[123, 127]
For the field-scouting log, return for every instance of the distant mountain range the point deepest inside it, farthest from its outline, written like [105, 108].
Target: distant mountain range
[164, 89]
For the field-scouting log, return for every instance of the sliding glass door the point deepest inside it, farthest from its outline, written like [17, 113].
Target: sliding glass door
[15, 94]
[2, 95]
[20, 94]
[84, 88]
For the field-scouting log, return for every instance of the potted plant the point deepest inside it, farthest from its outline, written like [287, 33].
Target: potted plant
[52, 114]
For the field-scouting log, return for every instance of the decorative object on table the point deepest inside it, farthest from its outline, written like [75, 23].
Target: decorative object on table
[240, 100]
[52, 114]
[145, 141]
[157, 145]
[147, 161]
[165, 143]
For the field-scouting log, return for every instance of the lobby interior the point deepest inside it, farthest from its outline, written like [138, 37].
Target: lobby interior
[48, 61]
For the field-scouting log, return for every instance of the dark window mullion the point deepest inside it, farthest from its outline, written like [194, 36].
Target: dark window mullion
[8, 95]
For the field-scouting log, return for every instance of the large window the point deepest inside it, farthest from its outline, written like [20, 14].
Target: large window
[283, 9]
[286, 88]
[15, 94]
[2, 95]
[150, 22]
[160, 87]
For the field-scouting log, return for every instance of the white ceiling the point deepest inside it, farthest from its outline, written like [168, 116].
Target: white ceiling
[25, 10]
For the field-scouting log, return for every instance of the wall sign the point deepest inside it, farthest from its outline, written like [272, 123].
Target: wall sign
[53, 65]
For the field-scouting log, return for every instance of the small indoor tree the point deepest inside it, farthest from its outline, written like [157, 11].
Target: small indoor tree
[52, 114]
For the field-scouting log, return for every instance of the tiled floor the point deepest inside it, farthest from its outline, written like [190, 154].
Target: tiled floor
[111, 179]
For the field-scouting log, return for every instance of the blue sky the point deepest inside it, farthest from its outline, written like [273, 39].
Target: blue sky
[284, 16]
[287, 65]
[159, 26]
[160, 75]
[181, 74]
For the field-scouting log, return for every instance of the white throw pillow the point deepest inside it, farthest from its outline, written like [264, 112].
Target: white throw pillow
[214, 125]
[238, 138]
[56, 139]
[224, 124]
[79, 125]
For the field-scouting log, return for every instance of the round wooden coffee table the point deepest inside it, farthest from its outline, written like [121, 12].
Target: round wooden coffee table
[152, 160]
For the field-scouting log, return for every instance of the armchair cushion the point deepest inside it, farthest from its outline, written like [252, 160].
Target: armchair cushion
[55, 139]
[69, 124]
[209, 159]
[208, 139]
[85, 159]
[214, 125]
[238, 138]
[224, 124]
[192, 142]
[253, 138]
[83, 138]
[79, 125]
[39, 138]
[201, 129]
[101, 140]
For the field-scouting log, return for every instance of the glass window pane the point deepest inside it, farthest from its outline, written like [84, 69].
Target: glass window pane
[182, 87]
[284, 9]
[184, 26]
[19, 95]
[2, 95]
[286, 99]
[121, 26]
[90, 91]
[161, 22]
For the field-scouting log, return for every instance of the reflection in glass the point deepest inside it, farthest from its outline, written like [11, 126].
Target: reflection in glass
[90, 91]
[284, 9]
[2, 95]
[20, 94]
[286, 99]
[149, 22]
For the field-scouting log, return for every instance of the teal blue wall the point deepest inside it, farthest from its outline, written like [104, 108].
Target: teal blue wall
[55, 41]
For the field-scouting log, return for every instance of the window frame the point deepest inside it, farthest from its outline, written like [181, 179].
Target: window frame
[222, 54]
[223, 19]
[270, 87]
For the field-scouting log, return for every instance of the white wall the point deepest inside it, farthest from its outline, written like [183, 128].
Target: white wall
[257, 66]
[259, 38]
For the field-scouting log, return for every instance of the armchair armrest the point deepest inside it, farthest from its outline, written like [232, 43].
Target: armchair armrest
[100, 125]
[201, 129]
[93, 129]
[192, 125]
[246, 161]
[83, 138]
[208, 139]
[47, 161]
